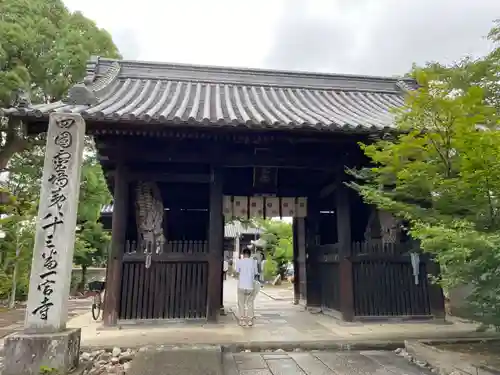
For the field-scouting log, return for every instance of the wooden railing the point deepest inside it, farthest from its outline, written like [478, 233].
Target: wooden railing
[173, 251]
[172, 284]
[184, 247]
[380, 248]
[386, 287]
[330, 285]
[383, 281]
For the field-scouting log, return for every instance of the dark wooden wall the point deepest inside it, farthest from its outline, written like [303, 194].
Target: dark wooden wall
[368, 279]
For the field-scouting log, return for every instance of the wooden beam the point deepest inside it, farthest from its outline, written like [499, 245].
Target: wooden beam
[166, 177]
[346, 290]
[436, 295]
[103, 133]
[221, 294]
[327, 190]
[166, 257]
[312, 232]
[344, 244]
[343, 220]
[215, 245]
[119, 227]
[296, 289]
[232, 160]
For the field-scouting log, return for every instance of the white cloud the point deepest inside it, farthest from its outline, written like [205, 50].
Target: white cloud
[342, 36]
[218, 32]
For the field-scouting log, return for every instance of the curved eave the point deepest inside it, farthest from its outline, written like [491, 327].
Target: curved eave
[149, 124]
[223, 99]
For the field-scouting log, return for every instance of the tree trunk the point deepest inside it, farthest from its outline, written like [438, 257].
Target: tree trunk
[13, 145]
[83, 280]
[12, 302]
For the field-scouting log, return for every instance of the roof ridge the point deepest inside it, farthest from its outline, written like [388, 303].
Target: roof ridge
[137, 92]
[91, 70]
[106, 79]
[246, 77]
[258, 71]
[93, 87]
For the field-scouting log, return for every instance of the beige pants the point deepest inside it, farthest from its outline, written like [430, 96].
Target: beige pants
[246, 300]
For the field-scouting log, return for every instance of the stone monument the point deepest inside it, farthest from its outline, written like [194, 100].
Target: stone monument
[46, 343]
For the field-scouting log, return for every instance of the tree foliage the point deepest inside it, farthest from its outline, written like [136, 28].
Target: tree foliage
[442, 173]
[91, 247]
[279, 244]
[24, 182]
[43, 51]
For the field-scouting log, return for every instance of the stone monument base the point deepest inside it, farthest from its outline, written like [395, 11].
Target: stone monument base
[32, 354]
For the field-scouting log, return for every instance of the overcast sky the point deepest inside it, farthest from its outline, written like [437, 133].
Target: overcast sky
[376, 37]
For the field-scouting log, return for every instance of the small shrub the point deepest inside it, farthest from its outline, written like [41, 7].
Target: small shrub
[45, 370]
[5, 285]
[270, 269]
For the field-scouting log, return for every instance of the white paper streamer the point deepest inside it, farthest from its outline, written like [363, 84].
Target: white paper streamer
[415, 263]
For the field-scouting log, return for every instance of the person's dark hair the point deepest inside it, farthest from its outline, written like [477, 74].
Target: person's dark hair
[247, 252]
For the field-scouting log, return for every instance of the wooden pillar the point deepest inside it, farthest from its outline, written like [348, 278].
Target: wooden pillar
[215, 245]
[221, 298]
[436, 296]
[302, 259]
[312, 274]
[296, 262]
[237, 247]
[221, 303]
[118, 237]
[343, 212]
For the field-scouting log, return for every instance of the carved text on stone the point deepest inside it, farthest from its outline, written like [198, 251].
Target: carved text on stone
[54, 217]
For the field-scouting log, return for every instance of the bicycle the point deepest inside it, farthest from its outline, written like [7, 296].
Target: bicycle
[96, 287]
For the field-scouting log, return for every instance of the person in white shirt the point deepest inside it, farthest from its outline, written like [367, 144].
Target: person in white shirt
[247, 271]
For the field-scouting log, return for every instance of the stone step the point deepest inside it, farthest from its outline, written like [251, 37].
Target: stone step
[194, 360]
[319, 363]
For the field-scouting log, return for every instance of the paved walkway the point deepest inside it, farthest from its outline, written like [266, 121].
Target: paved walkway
[278, 321]
[319, 363]
[282, 292]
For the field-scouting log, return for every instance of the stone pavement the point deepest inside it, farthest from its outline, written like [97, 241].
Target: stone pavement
[278, 322]
[282, 292]
[319, 363]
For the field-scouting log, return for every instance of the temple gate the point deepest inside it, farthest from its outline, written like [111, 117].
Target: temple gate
[175, 140]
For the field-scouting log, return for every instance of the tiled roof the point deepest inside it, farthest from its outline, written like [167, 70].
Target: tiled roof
[141, 92]
[235, 228]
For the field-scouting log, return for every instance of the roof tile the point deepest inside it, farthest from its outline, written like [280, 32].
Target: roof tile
[166, 93]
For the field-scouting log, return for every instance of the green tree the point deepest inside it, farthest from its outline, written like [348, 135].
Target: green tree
[92, 241]
[279, 243]
[16, 261]
[43, 51]
[441, 172]
[91, 248]
[24, 182]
